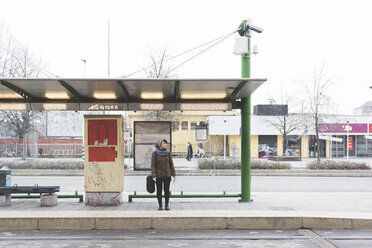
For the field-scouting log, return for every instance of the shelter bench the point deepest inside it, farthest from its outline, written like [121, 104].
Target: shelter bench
[47, 194]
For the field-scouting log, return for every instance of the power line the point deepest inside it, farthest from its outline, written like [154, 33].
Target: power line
[174, 68]
[223, 37]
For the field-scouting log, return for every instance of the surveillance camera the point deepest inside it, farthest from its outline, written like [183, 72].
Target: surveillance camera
[254, 28]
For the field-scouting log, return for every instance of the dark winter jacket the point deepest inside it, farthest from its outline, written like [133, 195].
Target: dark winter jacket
[162, 166]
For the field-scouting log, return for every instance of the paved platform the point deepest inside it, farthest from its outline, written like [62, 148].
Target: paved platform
[267, 211]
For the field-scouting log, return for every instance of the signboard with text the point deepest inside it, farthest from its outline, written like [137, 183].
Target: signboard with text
[224, 125]
[350, 145]
[201, 133]
[343, 128]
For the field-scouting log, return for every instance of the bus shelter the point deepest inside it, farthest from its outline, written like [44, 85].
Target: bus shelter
[123, 94]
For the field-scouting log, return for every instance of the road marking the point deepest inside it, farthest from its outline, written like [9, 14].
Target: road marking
[316, 239]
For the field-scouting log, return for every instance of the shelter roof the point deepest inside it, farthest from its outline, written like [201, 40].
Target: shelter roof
[124, 93]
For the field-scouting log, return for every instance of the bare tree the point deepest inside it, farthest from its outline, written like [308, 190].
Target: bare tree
[16, 60]
[316, 90]
[284, 121]
[19, 123]
[159, 67]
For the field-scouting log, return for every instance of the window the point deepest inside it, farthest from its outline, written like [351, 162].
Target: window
[193, 125]
[293, 146]
[338, 147]
[175, 125]
[267, 146]
[185, 125]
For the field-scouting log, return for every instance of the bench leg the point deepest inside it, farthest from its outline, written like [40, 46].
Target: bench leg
[48, 200]
[5, 200]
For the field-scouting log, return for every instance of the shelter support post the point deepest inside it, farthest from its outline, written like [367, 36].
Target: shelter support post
[245, 151]
[246, 133]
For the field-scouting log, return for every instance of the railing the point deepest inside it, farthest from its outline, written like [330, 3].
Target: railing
[182, 195]
[42, 150]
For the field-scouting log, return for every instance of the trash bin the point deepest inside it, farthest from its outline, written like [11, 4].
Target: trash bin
[5, 176]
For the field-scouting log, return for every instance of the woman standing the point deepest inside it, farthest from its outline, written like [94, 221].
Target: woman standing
[162, 169]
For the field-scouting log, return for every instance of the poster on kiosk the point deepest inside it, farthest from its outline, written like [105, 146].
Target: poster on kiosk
[104, 153]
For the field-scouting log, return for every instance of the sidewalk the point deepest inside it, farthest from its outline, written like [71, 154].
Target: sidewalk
[266, 211]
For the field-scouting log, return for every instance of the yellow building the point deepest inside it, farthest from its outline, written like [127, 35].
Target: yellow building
[183, 129]
[266, 140]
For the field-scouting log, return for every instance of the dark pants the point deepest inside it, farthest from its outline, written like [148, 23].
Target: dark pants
[159, 189]
[189, 156]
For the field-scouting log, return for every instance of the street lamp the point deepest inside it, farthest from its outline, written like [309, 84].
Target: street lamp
[85, 64]
[243, 48]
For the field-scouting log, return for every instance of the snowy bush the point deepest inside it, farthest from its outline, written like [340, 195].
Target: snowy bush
[338, 165]
[219, 163]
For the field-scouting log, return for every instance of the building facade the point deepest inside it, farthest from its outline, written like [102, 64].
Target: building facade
[340, 136]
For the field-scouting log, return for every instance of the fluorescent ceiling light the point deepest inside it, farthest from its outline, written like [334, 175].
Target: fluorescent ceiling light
[145, 106]
[104, 95]
[57, 95]
[54, 106]
[10, 95]
[205, 95]
[13, 106]
[204, 106]
[152, 95]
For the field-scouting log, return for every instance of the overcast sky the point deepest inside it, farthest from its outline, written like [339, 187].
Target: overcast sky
[299, 37]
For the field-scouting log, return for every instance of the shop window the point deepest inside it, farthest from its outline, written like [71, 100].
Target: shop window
[193, 125]
[185, 125]
[313, 147]
[293, 147]
[363, 146]
[267, 146]
[337, 147]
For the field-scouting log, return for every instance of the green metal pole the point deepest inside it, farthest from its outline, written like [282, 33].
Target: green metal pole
[246, 132]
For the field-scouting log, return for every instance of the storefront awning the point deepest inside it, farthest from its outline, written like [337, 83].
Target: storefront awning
[124, 94]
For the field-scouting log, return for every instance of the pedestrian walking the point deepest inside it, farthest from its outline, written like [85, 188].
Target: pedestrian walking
[189, 151]
[162, 169]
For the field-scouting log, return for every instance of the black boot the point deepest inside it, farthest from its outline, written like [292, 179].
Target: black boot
[160, 207]
[167, 208]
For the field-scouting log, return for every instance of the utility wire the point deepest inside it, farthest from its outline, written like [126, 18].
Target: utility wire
[174, 68]
[180, 54]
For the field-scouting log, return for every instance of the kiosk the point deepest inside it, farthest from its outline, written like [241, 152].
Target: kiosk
[103, 159]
